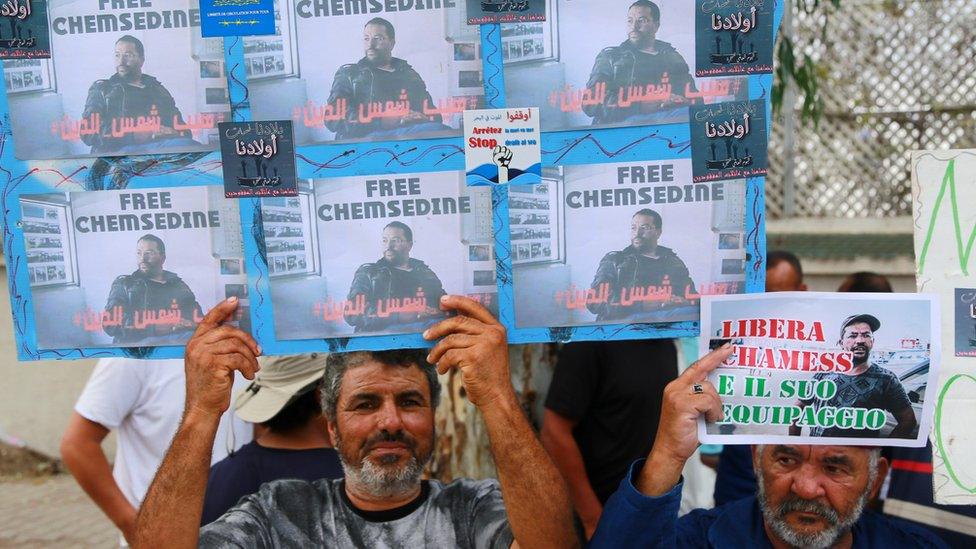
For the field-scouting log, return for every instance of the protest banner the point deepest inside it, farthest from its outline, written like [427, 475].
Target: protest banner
[133, 268]
[822, 368]
[127, 78]
[394, 70]
[626, 63]
[25, 34]
[269, 76]
[662, 243]
[942, 195]
[372, 255]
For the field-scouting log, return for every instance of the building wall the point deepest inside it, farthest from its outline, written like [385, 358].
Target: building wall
[36, 398]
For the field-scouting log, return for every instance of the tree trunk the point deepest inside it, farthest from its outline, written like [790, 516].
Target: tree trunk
[462, 448]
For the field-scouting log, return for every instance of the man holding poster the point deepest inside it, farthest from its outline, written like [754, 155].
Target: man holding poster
[866, 386]
[808, 496]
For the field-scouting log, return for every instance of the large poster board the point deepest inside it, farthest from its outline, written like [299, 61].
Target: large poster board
[511, 234]
[942, 194]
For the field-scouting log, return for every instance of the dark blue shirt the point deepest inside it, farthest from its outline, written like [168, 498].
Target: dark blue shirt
[910, 498]
[631, 519]
[243, 472]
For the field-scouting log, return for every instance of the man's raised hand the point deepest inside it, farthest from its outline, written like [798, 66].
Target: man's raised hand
[677, 434]
[475, 343]
[214, 352]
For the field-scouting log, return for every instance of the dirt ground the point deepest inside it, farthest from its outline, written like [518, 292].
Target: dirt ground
[19, 463]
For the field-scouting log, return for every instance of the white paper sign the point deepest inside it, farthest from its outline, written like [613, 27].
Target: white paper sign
[822, 368]
[502, 146]
[943, 193]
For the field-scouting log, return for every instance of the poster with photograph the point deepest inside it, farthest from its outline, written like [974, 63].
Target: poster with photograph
[942, 196]
[611, 63]
[394, 71]
[657, 250]
[372, 255]
[132, 268]
[125, 78]
[24, 32]
[823, 368]
[964, 308]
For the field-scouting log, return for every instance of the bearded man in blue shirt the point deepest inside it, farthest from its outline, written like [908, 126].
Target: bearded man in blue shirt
[808, 496]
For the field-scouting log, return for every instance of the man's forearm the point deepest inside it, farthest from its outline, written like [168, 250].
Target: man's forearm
[90, 467]
[660, 474]
[536, 499]
[170, 514]
[568, 459]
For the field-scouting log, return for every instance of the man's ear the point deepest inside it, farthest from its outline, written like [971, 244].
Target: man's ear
[330, 425]
[882, 475]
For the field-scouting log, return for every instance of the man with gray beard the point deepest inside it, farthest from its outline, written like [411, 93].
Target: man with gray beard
[808, 496]
[379, 408]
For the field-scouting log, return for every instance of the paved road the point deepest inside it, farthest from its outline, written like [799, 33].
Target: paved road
[51, 512]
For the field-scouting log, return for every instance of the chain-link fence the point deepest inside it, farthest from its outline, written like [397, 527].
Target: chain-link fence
[895, 76]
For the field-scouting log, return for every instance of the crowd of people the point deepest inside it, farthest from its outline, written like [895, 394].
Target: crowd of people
[229, 448]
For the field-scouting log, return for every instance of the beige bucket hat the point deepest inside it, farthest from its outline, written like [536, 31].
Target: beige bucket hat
[281, 380]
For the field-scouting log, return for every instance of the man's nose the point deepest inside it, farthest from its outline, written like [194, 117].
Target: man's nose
[389, 417]
[807, 483]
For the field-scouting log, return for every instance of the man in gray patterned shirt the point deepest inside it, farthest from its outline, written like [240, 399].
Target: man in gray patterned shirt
[867, 385]
[380, 412]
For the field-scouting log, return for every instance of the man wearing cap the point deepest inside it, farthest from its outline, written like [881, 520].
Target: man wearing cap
[380, 411]
[284, 399]
[867, 385]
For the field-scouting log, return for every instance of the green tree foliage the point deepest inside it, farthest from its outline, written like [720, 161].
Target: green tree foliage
[799, 68]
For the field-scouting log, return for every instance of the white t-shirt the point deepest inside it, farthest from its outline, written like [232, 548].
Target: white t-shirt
[143, 401]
